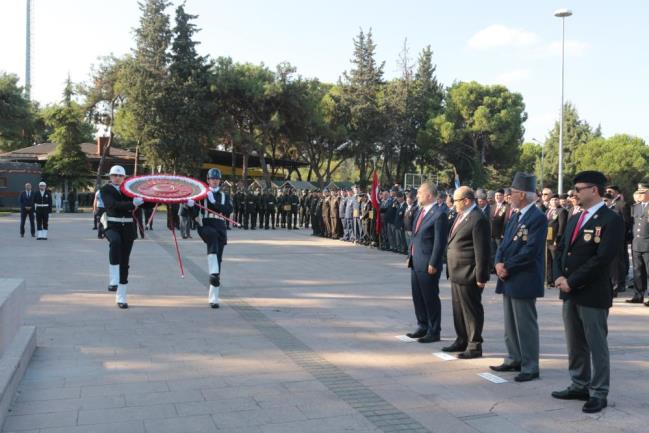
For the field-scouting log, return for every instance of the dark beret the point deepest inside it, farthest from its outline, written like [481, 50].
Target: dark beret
[590, 176]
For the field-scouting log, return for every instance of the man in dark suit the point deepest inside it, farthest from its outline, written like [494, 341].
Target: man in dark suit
[591, 241]
[27, 209]
[497, 217]
[557, 218]
[640, 245]
[468, 256]
[483, 203]
[520, 269]
[425, 259]
[399, 233]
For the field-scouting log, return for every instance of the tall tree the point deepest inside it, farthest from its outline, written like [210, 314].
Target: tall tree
[146, 82]
[16, 114]
[68, 164]
[480, 130]
[191, 108]
[360, 89]
[576, 132]
[623, 158]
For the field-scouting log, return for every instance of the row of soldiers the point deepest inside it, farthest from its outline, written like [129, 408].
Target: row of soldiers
[268, 210]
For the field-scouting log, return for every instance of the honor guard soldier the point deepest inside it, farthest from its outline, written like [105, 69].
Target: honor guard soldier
[240, 203]
[270, 208]
[43, 208]
[294, 200]
[120, 231]
[213, 231]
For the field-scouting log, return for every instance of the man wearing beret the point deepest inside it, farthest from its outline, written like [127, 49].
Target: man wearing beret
[520, 269]
[590, 243]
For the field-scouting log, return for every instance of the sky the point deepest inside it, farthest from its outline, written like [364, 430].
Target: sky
[512, 42]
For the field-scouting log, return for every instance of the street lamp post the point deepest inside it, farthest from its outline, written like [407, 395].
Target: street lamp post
[563, 14]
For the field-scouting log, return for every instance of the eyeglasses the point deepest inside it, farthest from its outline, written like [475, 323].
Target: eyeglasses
[580, 189]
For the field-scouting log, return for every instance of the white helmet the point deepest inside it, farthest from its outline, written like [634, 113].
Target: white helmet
[42, 184]
[117, 170]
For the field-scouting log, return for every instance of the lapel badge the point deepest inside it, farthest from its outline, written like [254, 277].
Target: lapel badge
[598, 234]
[588, 237]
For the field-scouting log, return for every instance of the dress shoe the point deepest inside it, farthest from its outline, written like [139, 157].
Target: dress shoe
[417, 334]
[505, 367]
[455, 347]
[646, 304]
[214, 305]
[112, 288]
[429, 339]
[123, 306]
[470, 354]
[635, 300]
[526, 377]
[594, 405]
[571, 394]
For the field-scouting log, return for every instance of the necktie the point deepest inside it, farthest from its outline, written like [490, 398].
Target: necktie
[575, 232]
[458, 220]
[422, 213]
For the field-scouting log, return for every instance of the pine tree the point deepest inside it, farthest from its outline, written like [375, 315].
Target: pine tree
[68, 164]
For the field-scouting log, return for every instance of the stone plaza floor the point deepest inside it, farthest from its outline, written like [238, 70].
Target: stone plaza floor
[305, 341]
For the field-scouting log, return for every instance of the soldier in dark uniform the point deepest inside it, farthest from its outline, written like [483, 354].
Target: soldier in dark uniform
[120, 231]
[294, 201]
[240, 203]
[270, 205]
[251, 210]
[43, 208]
[213, 231]
[399, 233]
[315, 208]
[557, 219]
[326, 206]
[640, 245]
[620, 268]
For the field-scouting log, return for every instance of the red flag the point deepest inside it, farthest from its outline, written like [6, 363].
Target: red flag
[375, 202]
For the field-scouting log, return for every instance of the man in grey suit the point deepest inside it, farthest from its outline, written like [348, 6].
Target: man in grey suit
[520, 269]
[425, 259]
[468, 256]
[640, 245]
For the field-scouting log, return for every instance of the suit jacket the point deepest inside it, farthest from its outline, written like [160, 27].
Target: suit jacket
[640, 229]
[26, 202]
[586, 262]
[398, 216]
[557, 219]
[498, 219]
[408, 217]
[522, 251]
[469, 249]
[428, 242]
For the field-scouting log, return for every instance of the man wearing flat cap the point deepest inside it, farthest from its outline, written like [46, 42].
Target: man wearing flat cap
[640, 244]
[520, 266]
[589, 245]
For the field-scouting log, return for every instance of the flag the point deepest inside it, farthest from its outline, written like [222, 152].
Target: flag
[375, 202]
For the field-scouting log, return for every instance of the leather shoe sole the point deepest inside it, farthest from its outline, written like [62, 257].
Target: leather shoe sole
[469, 355]
[594, 405]
[634, 301]
[416, 334]
[526, 377]
[569, 394]
[428, 339]
[505, 367]
[123, 306]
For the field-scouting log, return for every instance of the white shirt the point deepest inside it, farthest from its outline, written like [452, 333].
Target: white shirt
[525, 209]
[591, 211]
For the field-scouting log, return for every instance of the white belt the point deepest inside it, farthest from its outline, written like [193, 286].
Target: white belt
[216, 217]
[119, 220]
[42, 205]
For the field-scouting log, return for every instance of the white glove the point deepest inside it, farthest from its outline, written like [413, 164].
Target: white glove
[210, 197]
[138, 201]
[190, 202]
